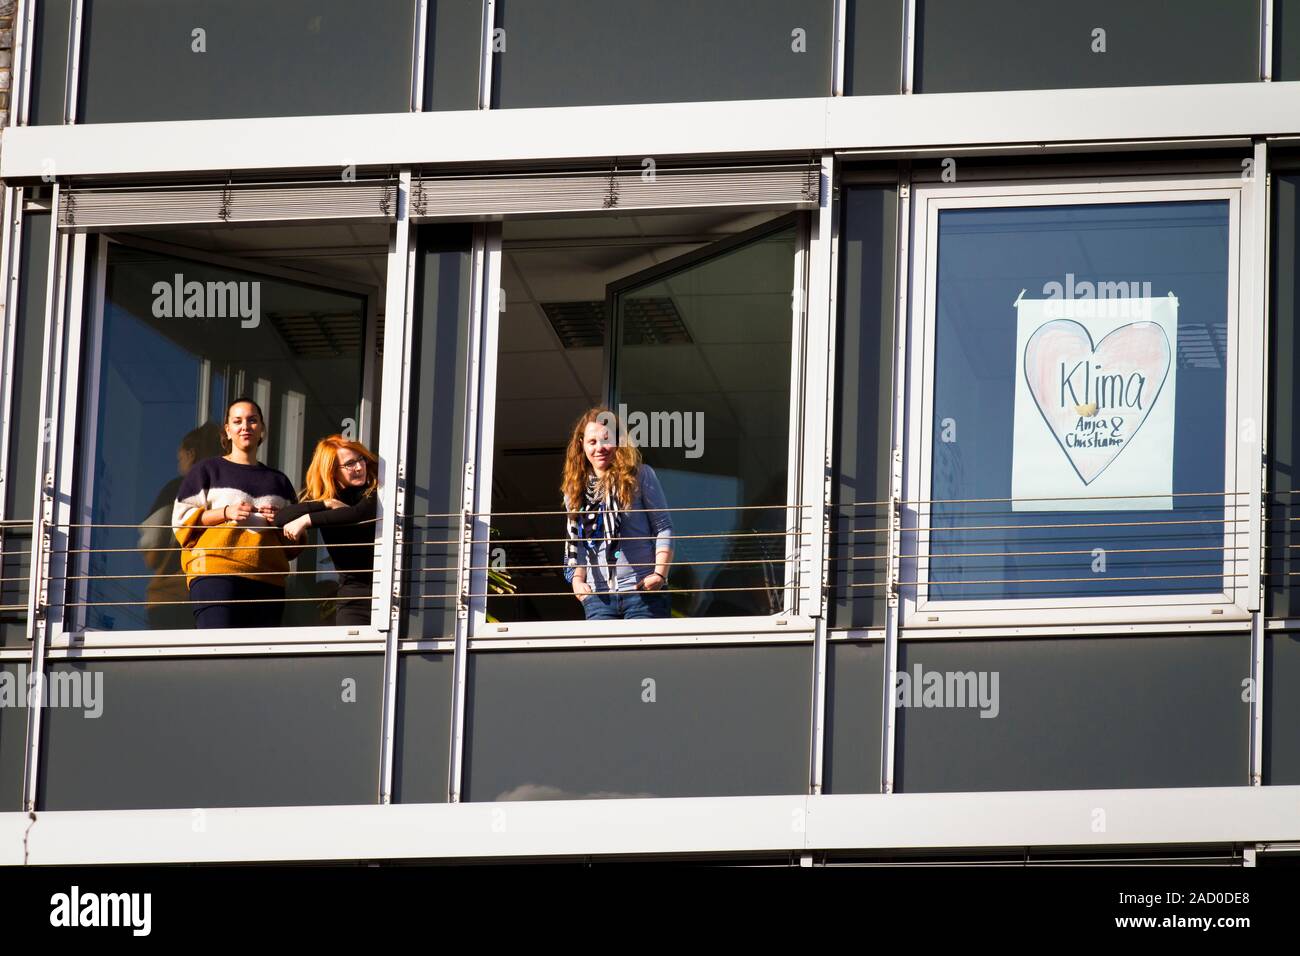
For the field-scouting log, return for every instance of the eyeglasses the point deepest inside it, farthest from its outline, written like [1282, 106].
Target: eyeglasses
[354, 463]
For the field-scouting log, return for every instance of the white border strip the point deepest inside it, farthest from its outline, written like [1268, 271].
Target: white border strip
[667, 129]
[1175, 816]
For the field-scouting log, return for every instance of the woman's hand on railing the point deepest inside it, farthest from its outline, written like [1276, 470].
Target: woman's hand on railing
[296, 529]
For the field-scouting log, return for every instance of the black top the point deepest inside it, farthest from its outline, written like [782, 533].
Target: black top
[345, 530]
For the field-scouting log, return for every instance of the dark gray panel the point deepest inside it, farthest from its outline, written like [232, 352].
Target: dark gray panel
[50, 63]
[589, 52]
[553, 725]
[20, 483]
[436, 446]
[873, 61]
[1013, 45]
[1282, 559]
[853, 714]
[455, 44]
[1286, 39]
[423, 741]
[13, 733]
[1087, 714]
[864, 363]
[288, 58]
[265, 731]
[1282, 709]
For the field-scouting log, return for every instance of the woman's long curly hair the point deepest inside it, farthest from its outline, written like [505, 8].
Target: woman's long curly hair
[324, 462]
[622, 474]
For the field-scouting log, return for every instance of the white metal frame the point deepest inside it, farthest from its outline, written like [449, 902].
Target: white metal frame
[1245, 356]
[802, 576]
[1170, 818]
[67, 630]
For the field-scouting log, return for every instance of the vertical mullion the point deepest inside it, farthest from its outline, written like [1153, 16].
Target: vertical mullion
[73, 71]
[21, 72]
[818, 416]
[480, 384]
[1266, 40]
[419, 44]
[385, 615]
[909, 46]
[485, 55]
[898, 432]
[10, 249]
[839, 41]
[1259, 194]
[51, 349]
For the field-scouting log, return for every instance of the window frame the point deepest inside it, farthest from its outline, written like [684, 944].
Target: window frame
[1243, 403]
[84, 295]
[797, 620]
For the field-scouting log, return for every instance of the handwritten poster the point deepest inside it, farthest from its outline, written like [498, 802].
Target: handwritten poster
[1094, 407]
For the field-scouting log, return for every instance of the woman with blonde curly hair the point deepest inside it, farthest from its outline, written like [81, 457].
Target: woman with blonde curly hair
[340, 499]
[620, 535]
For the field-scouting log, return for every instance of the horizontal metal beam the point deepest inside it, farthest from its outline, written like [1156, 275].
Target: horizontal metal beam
[790, 127]
[1096, 819]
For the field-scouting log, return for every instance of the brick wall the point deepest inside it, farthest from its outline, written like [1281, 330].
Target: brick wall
[8, 15]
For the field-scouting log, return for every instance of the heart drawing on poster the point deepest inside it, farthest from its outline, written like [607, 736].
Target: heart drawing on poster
[1095, 397]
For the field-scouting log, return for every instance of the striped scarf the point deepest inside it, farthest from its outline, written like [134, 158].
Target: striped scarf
[598, 522]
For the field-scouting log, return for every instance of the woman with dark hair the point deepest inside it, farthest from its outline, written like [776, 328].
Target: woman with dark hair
[232, 553]
[341, 500]
[620, 536]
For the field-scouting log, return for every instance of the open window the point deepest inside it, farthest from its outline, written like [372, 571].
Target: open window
[1083, 391]
[684, 325]
[178, 323]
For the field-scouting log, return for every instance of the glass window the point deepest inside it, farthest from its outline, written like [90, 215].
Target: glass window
[688, 342]
[1286, 39]
[864, 406]
[1283, 557]
[155, 392]
[24, 433]
[1076, 424]
[592, 52]
[454, 49]
[435, 471]
[49, 62]
[219, 59]
[1012, 45]
[873, 60]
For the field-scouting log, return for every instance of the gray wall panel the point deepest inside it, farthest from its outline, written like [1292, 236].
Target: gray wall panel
[864, 363]
[265, 731]
[873, 59]
[1282, 709]
[1087, 714]
[20, 473]
[594, 52]
[455, 42]
[853, 683]
[50, 63]
[1013, 45]
[287, 58]
[1286, 39]
[13, 733]
[423, 742]
[573, 724]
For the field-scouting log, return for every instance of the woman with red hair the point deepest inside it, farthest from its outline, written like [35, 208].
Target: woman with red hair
[340, 499]
[620, 535]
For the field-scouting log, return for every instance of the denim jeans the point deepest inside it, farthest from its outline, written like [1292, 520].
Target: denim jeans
[626, 605]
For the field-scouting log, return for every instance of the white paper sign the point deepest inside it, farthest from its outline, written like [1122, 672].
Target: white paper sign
[1094, 414]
